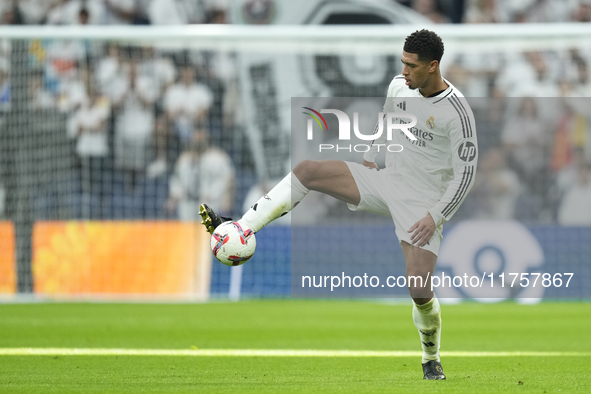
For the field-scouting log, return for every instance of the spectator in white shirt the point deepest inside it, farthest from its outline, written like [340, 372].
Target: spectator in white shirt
[496, 188]
[569, 173]
[575, 209]
[539, 11]
[530, 73]
[73, 90]
[187, 104]
[34, 12]
[167, 148]
[484, 11]
[89, 128]
[202, 174]
[582, 12]
[175, 12]
[430, 9]
[527, 139]
[121, 12]
[157, 67]
[134, 125]
[68, 12]
[39, 97]
[62, 60]
[9, 13]
[110, 74]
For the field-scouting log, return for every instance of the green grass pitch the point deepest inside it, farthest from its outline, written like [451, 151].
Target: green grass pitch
[289, 324]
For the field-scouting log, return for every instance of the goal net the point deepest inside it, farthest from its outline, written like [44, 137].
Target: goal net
[110, 138]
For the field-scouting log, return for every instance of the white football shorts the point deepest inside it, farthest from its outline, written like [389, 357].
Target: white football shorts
[385, 192]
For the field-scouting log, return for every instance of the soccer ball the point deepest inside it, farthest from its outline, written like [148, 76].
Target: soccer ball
[232, 245]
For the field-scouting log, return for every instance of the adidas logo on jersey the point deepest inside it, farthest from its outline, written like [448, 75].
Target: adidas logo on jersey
[402, 105]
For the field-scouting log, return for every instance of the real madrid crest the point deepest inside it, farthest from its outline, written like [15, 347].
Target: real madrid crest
[431, 123]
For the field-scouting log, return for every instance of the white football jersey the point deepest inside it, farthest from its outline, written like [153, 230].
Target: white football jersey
[442, 161]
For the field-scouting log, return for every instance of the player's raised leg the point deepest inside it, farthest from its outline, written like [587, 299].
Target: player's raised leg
[332, 177]
[426, 312]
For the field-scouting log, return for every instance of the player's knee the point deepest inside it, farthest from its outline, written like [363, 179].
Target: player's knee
[420, 294]
[421, 300]
[306, 171]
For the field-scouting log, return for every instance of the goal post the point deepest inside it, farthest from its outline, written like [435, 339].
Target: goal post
[319, 39]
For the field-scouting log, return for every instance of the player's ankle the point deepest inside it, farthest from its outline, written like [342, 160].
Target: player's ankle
[430, 357]
[244, 224]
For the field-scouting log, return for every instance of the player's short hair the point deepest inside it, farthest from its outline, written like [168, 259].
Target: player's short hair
[426, 44]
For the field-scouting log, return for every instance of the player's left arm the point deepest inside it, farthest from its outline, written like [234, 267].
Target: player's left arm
[464, 156]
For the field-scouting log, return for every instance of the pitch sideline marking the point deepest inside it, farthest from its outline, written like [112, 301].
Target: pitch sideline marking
[266, 353]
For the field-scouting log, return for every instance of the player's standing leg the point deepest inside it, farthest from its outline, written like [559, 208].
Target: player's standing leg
[331, 177]
[426, 312]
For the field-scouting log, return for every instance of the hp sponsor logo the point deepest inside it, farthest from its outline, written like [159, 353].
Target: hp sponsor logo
[467, 151]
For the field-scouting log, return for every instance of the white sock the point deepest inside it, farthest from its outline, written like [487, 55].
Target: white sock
[278, 202]
[427, 318]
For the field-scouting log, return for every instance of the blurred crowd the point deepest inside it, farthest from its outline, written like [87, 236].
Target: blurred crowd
[175, 12]
[535, 160]
[151, 121]
[134, 114]
[502, 11]
[168, 123]
[112, 12]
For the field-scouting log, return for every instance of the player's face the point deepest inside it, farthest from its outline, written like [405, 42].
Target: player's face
[416, 72]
